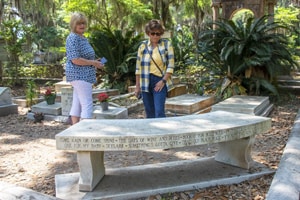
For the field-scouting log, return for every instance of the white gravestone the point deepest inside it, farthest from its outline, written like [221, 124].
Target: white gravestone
[66, 100]
[6, 105]
[5, 96]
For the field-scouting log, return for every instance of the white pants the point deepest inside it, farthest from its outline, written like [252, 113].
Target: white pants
[82, 105]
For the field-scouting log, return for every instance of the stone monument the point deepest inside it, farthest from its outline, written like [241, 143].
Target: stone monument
[230, 7]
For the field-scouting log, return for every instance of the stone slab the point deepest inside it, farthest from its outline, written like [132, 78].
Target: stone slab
[177, 90]
[8, 109]
[253, 105]
[171, 132]
[12, 192]
[43, 107]
[22, 102]
[132, 107]
[267, 111]
[290, 82]
[142, 181]
[136, 107]
[188, 103]
[111, 113]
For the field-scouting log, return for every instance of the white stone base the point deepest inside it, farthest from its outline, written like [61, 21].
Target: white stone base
[8, 109]
[142, 181]
[43, 107]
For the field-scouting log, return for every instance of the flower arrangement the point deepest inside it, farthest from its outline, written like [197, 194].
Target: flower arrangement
[103, 97]
[50, 96]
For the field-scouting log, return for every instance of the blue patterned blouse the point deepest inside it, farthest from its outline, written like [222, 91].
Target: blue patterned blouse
[79, 47]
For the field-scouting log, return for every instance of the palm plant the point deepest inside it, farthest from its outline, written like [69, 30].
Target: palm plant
[248, 56]
[120, 51]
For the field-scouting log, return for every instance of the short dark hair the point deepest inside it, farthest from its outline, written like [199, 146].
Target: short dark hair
[154, 24]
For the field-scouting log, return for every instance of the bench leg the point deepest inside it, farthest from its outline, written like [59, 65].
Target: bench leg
[91, 166]
[236, 152]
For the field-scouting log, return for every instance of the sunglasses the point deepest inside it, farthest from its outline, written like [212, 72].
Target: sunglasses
[154, 33]
[80, 23]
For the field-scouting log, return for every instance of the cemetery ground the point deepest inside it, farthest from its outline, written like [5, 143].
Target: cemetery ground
[28, 156]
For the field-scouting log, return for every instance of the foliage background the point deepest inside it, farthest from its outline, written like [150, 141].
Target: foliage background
[32, 26]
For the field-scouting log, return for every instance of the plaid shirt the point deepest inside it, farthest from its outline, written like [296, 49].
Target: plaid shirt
[143, 61]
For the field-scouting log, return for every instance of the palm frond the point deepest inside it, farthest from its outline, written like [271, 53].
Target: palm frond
[235, 47]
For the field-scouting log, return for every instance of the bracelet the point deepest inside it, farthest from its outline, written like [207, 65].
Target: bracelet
[164, 81]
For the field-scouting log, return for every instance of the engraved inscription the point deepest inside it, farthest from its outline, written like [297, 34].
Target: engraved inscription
[165, 140]
[169, 141]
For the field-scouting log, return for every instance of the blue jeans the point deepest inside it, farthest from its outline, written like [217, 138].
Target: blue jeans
[154, 102]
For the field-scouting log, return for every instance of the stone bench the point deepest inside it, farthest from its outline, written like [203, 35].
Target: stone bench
[234, 132]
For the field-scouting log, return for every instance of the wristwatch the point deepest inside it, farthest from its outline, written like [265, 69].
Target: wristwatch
[164, 81]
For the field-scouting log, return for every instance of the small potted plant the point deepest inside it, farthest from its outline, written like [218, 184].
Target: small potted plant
[50, 97]
[103, 98]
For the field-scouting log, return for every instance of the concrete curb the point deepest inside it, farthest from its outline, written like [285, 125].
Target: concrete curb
[286, 182]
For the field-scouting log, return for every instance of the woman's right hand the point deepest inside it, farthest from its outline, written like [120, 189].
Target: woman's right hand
[137, 92]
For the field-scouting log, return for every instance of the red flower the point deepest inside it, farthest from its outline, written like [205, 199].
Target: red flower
[103, 97]
[48, 92]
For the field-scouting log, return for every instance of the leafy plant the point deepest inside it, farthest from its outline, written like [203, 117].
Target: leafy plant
[12, 32]
[184, 48]
[120, 51]
[289, 16]
[248, 56]
[31, 93]
[47, 37]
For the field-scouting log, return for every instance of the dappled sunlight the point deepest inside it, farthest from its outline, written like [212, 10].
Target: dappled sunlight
[11, 139]
[186, 155]
[51, 123]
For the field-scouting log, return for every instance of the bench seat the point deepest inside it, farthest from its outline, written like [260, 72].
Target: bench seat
[234, 132]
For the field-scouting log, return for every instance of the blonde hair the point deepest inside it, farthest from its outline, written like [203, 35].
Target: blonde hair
[77, 18]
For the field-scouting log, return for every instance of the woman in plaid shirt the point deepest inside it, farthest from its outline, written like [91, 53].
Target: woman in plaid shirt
[154, 67]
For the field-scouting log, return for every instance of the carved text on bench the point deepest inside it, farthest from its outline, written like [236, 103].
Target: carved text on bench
[123, 143]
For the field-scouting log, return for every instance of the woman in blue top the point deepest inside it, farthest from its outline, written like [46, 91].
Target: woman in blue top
[81, 68]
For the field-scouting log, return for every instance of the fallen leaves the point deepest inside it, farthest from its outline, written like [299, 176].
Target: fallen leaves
[26, 148]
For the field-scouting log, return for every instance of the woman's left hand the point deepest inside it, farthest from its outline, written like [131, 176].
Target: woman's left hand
[159, 86]
[98, 64]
